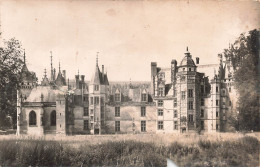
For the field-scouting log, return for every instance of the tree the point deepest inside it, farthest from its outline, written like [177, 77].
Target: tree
[244, 55]
[10, 66]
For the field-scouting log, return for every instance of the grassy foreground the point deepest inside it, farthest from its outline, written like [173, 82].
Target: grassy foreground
[36, 152]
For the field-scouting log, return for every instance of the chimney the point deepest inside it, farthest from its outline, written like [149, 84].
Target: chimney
[197, 60]
[64, 74]
[82, 81]
[82, 78]
[77, 81]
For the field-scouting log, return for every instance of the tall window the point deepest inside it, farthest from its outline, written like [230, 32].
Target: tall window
[190, 93]
[216, 126]
[96, 87]
[143, 111]
[86, 127]
[32, 118]
[183, 94]
[53, 118]
[202, 125]
[160, 125]
[102, 112]
[91, 100]
[86, 113]
[91, 111]
[175, 125]
[144, 97]
[117, 97]
[85, 98]
[217, 89]
[202, 113]
[143, 126]
[160, 92]
[175, 103]
[175, 114]
[202, 89]
[190, 118]
[160, 103]
[160, 112]
[229, 89]
[190, 105]
[117, 126]
[102, 101]
[202, 102]
[217, 114]
[97, 100]
[216, 102]
[117, 111]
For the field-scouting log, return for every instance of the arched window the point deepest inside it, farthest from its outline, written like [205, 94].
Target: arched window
[53, 118]
[32, 118]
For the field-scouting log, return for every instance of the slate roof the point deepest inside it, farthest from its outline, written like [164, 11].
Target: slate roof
[99, 78]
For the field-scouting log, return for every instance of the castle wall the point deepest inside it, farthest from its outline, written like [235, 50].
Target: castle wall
[130, 119]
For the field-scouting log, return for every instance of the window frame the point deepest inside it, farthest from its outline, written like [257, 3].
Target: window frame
[160, 103]
[117, 126]
[160, 125]
[85, 111]
[190, 93]
[160, 112]
[86, 125]
[32, 118]
[183, 95]
[143, 111]
[190, 105]
[117, 111]
[143, 126]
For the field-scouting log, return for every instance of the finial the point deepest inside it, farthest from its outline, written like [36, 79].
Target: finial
[24, 56]
[187, 49]
[97, 59]
[59, 66]
[78, 72]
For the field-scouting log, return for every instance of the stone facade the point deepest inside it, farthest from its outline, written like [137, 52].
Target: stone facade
[188, 100]
[178, 99]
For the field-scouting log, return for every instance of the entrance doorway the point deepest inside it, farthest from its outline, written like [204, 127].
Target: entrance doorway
[183, 130]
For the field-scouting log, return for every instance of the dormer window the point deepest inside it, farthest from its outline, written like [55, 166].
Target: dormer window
[96, 87]
[160, 92]
[144, 97]
[117, 97]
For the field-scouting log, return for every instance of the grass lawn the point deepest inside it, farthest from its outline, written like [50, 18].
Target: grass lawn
[223, 149]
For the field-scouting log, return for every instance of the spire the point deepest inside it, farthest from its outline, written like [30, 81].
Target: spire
[52, 74]
[187, 53]
[24, 56]
[45, 73]
[59, 66]
[97, 59]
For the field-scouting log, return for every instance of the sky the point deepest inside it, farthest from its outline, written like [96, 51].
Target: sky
[128, 35]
